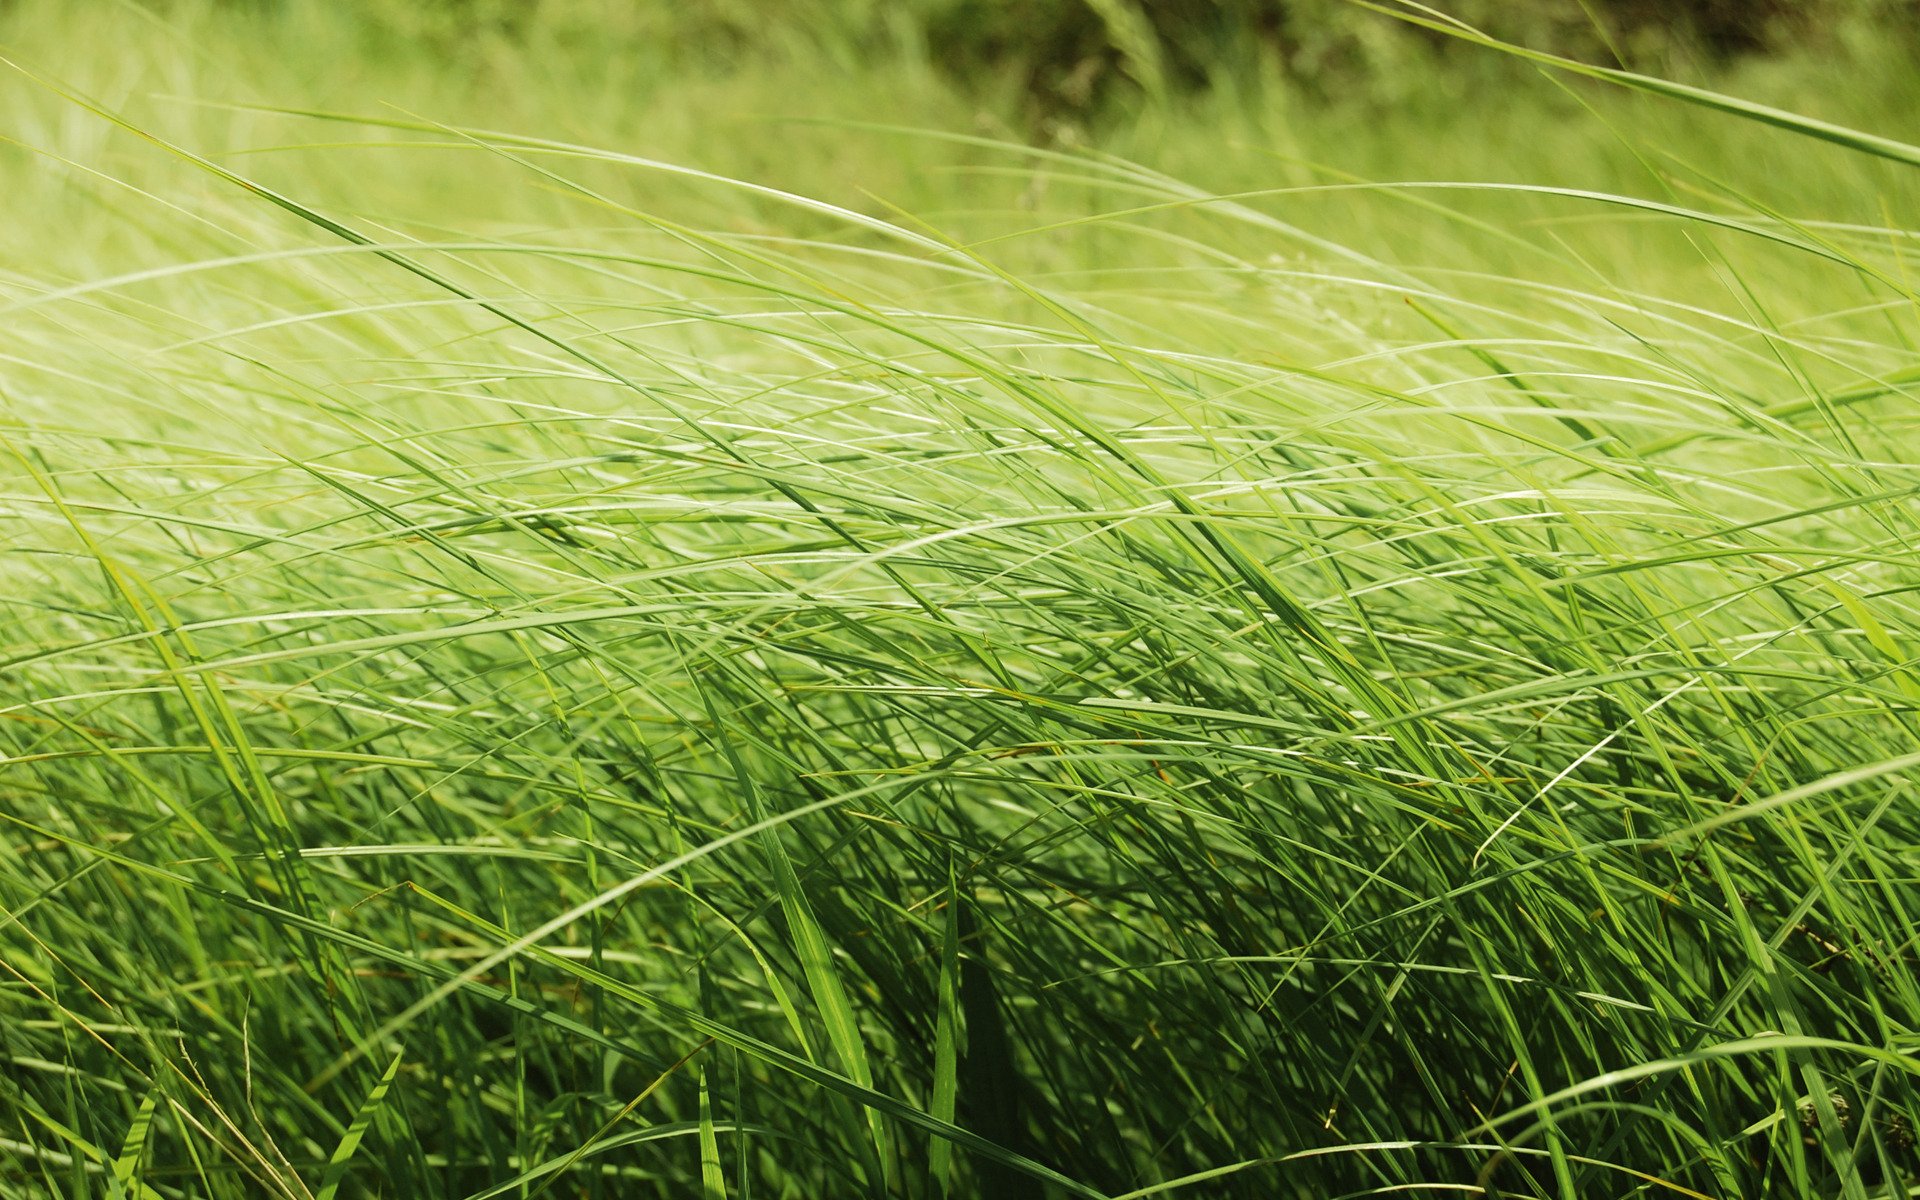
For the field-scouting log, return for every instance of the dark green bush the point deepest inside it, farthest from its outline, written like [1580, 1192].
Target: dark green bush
[1071, 53]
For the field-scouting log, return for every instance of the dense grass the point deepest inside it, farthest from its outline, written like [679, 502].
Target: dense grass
[530, 670]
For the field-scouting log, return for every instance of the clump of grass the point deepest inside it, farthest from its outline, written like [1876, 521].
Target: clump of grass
[656, 681]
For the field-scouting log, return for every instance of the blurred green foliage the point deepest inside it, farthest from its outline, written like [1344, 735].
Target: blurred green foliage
[1076, 56]
[1072, 51]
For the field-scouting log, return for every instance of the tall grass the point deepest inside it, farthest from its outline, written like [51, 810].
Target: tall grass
[537, 669]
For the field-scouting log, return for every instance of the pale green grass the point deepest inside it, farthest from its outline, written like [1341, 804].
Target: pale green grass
[714, 656]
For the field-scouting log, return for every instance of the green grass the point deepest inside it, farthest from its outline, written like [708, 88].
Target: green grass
[671, 651]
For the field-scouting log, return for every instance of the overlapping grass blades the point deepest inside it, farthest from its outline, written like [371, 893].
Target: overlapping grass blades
[704, 689]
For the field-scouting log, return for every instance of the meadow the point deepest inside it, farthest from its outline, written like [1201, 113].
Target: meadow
[578, 620]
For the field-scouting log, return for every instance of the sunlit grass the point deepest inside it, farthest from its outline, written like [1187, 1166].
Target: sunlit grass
[534, 669]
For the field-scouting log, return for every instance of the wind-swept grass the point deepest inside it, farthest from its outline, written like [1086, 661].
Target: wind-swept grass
[530, 669]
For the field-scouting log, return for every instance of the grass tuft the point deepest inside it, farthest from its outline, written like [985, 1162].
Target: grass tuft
[567, 665]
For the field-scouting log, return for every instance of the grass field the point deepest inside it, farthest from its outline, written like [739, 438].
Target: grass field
[573, 624]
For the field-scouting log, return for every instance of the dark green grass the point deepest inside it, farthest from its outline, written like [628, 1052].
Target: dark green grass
[525, 671]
